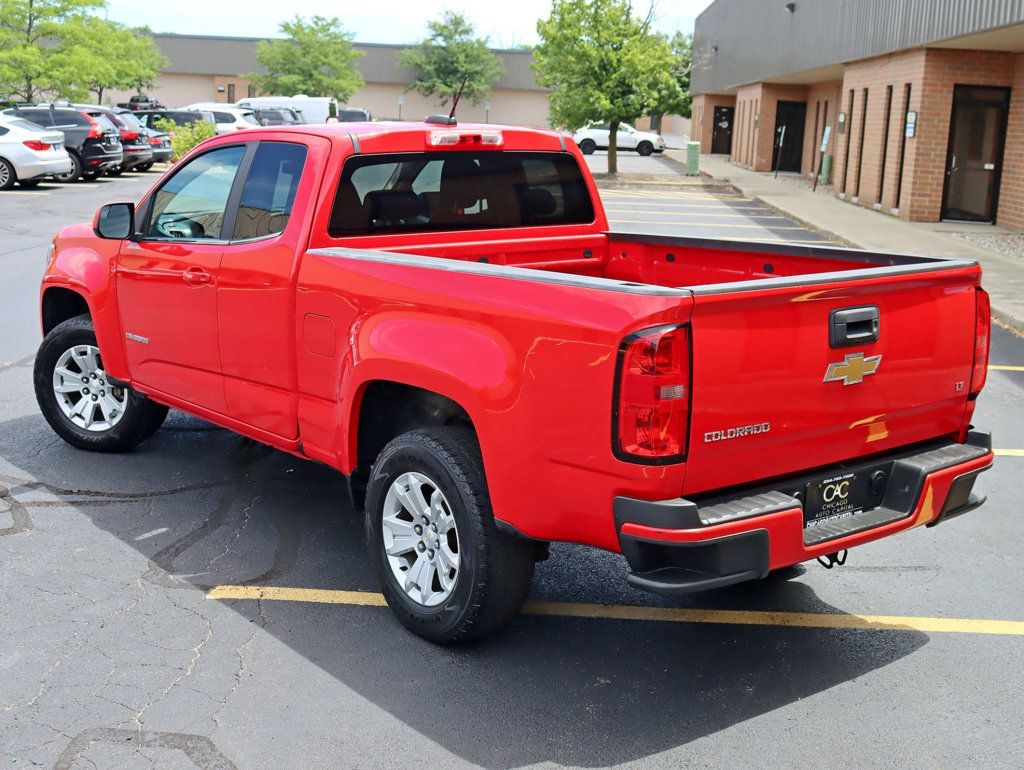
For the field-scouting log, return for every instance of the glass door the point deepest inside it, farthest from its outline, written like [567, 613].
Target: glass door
[974, 161]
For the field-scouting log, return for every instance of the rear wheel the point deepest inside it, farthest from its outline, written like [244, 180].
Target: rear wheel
[82, 404]
[115, 171]
[74, 173]
[7, 175]
[29, 183]
[645, 148]
[587, 146]
[447, 572]
[144, 167]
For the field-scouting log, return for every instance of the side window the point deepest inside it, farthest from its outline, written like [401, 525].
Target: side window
[269, 190]
[191, 204]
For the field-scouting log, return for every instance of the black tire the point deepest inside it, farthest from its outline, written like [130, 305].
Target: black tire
[115, 171]
[141, 417]
[587, 146]
[92, 174]
[143, 167]
[8, 176]
[29, 184]
[76, 169]
[495, 569]
[645, 148]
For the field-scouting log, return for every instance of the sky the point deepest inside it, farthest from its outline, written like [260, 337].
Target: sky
[506, 23]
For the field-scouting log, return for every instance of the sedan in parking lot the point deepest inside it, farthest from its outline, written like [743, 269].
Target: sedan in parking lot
[148, 118]
[29, 153]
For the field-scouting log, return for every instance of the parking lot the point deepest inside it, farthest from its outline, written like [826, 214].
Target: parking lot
[205, 601]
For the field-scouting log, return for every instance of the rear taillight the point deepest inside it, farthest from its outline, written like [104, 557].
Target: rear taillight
[652, 399]
[95, 130]
[129, 135]
[982, 335]
[35, 144]
[155, 140]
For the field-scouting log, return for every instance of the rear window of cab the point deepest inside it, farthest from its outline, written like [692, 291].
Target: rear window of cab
[464, 190]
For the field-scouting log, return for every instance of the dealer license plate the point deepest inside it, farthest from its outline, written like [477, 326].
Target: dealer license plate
[844, 494]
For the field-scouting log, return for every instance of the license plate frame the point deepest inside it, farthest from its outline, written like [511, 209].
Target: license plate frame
[836, 497]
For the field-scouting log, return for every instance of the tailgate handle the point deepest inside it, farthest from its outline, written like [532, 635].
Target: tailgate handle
[853, 326]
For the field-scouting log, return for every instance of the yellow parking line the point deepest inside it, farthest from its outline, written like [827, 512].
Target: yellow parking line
[1008, 452]
[658, 614]
[1005, 368]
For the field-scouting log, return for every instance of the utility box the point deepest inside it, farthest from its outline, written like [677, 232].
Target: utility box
[693, 158]
[826, 170]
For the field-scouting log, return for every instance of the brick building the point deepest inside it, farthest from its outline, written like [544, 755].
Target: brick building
[922, 101]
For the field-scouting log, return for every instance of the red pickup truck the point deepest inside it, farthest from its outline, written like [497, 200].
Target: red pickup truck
[441, 313]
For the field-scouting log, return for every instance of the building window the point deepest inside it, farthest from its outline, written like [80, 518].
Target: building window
[252, 91]
[231, 92]
[885, 143]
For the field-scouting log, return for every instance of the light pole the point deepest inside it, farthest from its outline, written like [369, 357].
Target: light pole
[401, 101]
[487, 111]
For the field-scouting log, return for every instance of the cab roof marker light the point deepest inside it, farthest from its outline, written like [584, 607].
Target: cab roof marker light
[465, 139]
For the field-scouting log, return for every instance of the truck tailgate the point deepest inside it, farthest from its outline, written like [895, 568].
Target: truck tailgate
[773, 394]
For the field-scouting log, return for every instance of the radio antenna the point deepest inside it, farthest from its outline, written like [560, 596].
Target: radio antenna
[455, 103]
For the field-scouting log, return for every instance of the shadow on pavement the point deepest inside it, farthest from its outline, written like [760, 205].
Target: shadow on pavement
[571, 691]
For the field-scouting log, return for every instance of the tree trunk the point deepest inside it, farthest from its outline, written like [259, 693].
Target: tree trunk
[613, 147]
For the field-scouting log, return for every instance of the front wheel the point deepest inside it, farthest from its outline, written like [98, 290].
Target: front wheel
[447, 572]
[587, 146]
[144, 167]
[115, 171]
[645, 148]
[84, 405]
[29, 184]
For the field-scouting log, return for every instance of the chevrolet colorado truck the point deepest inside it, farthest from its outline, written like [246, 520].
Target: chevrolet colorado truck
[441, 313]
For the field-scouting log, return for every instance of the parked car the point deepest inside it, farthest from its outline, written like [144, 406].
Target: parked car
[278, 116]
[160, 142]
[314, 109]
[93, 143]
[148, 118]
[29, 153]
[598, 137]
[442, 315]
[228, 117]
[134, 139]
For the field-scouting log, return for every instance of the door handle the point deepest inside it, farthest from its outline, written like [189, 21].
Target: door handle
[196, 276]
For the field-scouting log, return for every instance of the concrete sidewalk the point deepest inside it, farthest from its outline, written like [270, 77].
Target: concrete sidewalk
[874, 231]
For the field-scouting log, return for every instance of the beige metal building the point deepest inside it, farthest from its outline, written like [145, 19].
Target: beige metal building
[208, 68]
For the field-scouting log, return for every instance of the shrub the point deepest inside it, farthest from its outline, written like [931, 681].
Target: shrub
[184, 138]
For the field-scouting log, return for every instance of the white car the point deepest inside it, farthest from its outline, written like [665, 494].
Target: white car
[227, 117]
[595, 137]
[29, 153]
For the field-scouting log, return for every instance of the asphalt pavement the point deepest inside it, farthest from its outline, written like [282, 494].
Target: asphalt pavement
[135, 628]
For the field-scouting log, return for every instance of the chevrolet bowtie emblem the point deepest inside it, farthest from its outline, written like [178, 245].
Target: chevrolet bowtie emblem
[853, 369]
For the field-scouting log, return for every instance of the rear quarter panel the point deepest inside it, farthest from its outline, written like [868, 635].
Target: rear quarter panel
[532, 363]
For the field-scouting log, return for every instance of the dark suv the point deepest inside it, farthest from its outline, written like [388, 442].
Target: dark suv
[134, 138]
[278, 116]
[94, 143]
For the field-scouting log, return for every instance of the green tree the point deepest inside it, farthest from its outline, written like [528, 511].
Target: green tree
[602, 64]
[677, 101]
[315, 58]
[449, 55]
[115, 56]
[41, 51]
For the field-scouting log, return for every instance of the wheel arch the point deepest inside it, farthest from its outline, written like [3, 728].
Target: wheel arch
[384, 410]
[60, 303]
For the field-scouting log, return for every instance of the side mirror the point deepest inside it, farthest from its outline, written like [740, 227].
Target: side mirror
[115, 221]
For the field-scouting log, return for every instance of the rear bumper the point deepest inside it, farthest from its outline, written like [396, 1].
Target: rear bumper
[680, 546]
[44, 166]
